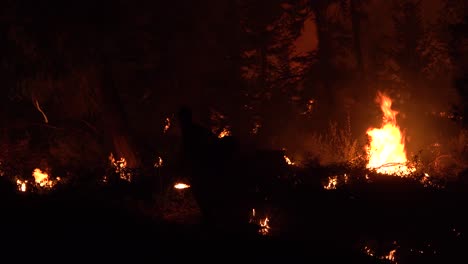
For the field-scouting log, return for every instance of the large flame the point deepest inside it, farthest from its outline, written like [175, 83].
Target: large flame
[386, 151]
[42, 178]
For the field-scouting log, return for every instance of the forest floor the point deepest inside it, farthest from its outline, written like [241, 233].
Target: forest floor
[384, 220]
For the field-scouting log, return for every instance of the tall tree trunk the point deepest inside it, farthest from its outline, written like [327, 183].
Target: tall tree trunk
[236, 94]
[118, 136]
[356, 26]
[324, 53]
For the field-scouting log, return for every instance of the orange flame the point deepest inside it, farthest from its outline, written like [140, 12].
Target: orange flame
[288, 160]
[225, 132]
[181, 186]
[21, 185]
[386, 151]
[41, 178]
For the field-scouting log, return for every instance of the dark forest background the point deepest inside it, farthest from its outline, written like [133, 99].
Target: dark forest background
[81, 79]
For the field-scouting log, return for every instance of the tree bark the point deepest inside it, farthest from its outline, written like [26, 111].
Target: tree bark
[324, 52]
[356, 26]
[118, 137]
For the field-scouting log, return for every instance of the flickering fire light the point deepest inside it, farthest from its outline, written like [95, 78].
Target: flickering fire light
[21, 185]
[288, 160]
[386, 151]
[42, 178]
[158, 163]
[390, 257]
[264, 223]
[332, 183]
[181, 186]
[225, 132]
[120, 167]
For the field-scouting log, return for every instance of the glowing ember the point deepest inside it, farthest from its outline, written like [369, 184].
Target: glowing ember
[158, 163]
[181, 186]
[256, 128]
[386, 151]
[42, 178]
[368, 251]
[225, 132]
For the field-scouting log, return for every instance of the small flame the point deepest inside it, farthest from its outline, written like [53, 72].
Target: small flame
[21, 185]
[263, 223]
[167, 124]
[256, 128]
[368, 251]
[181, 186]
[225, 132]
[158, 163]
[264, 226]
[332, 183]
[386, 151]
[309, 107]
[288, 160]
[391, 255]
[120, 167]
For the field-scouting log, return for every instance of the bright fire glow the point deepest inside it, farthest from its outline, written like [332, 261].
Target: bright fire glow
[225, 132]
[386, 151]
[391, 255]
[264, 226]
[21, 185]
[263, 223]
[42, 178]
[332, 182]
[288, 160]
[181, 186]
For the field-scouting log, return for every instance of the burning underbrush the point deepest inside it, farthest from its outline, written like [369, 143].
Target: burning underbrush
[374, 198]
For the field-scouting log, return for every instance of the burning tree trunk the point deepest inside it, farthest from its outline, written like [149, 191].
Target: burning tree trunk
[118, 136]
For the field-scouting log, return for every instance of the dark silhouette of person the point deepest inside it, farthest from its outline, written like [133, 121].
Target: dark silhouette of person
[198, 150]
[218, 176]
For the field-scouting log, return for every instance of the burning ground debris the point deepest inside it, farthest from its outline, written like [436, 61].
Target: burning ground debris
[333, 182]
[264, 223]
[224, 132]
[219, 124]
[337, 181]
[42, 181]
[390, 256]
[386, 151]
[120, 168]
